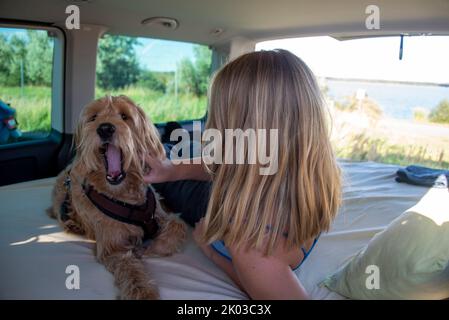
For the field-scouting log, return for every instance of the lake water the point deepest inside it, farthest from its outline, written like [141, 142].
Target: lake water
[396, 100]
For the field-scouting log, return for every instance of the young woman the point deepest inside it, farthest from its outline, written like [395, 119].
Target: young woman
[260, 228]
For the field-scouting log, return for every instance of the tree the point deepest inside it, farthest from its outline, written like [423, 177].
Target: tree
[189, 77]
[19, 61]
[195, 75]
[39, 57]
[117, 62]
[203, 59]
[5, 59]
[29, 54]
[153, 80]
[440, 113]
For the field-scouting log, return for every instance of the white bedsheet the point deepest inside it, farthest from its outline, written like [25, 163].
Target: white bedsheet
[34, 252]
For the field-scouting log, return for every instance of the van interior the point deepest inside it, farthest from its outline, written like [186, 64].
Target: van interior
[383, 71]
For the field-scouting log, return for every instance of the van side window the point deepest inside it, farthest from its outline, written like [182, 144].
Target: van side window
[382, 108]
[26, 70]
[168, 79]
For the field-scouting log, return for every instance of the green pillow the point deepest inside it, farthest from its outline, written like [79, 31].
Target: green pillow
[408, 260]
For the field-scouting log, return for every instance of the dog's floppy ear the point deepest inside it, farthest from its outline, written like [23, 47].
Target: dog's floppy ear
[76, 141]
[151, 135]
[77, 135]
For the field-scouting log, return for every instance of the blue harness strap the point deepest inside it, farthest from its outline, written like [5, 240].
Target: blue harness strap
[220, 248]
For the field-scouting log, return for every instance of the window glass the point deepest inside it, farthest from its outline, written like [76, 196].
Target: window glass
[26, 68]
[168, 79]
[383, 108]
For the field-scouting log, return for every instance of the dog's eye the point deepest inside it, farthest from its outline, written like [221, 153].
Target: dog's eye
[124, 116]
[92, 118]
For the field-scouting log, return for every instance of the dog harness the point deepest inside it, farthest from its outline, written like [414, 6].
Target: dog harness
[138, 215]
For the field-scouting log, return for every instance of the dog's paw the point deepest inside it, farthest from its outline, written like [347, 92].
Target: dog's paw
[177, 230]
[149, 292]
[170, 240]
[73, 227]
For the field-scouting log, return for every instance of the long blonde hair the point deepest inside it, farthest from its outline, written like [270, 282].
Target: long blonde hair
[272, 90]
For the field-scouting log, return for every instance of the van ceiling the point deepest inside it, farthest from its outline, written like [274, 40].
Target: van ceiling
[252, 19]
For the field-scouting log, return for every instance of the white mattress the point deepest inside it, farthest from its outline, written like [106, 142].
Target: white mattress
[34, 252]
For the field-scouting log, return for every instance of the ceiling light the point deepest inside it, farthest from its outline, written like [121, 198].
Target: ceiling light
[161, 22]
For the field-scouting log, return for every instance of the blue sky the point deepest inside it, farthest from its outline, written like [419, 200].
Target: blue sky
[9, 32]
[162, 55]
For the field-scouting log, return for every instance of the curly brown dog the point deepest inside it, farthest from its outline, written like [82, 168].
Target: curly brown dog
[103, 196]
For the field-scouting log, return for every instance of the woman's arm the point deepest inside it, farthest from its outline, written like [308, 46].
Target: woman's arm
[219, 260]
[165, 170]
[266, 278]
[261, 277]
[223, 264]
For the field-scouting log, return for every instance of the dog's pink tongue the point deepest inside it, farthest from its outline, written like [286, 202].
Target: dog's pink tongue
[114, 160]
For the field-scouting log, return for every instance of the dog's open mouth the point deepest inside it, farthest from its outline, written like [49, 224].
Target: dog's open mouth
[113, 163]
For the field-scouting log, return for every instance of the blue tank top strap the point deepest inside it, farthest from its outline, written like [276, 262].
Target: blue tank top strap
[220, 248]
[307, 253]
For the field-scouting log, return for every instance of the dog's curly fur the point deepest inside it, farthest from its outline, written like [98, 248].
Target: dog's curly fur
[118, 245]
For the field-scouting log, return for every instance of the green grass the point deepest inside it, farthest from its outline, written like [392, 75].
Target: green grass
[163, 107]
[362, 147]
[33, 106]
[357, 135]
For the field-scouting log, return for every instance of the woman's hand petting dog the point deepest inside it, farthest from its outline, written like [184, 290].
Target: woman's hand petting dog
[164, 170]
[160, 170]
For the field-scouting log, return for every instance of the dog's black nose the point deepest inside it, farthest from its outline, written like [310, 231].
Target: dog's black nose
[105, 131]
